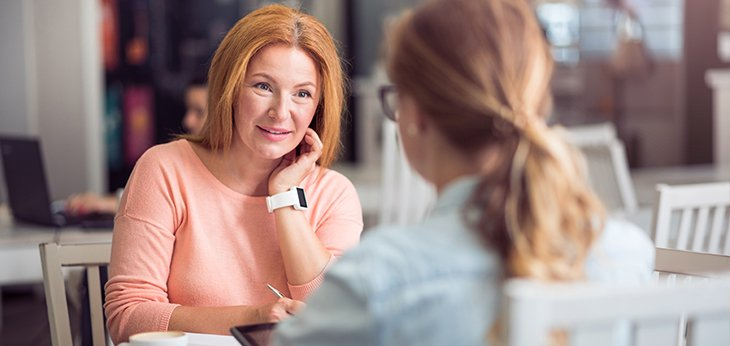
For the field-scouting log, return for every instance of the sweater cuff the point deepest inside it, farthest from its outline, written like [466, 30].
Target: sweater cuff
[301, 292]
[166, 315]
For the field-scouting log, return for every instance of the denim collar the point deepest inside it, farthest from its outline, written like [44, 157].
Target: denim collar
[456, 194]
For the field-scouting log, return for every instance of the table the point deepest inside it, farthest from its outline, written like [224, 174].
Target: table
[20, 259]
[195, 339]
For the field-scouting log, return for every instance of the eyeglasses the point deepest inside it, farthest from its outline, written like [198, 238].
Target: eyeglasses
[389, 101]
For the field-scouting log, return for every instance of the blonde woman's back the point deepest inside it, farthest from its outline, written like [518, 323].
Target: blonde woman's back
[434, 283]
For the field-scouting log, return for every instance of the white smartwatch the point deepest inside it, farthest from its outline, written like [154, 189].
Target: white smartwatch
[293, 197]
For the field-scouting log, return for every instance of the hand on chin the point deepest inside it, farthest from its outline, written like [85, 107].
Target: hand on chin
[293, 168]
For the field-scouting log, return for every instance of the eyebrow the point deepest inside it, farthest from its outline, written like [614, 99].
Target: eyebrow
[267, 76]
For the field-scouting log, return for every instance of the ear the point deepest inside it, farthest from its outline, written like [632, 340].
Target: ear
[412, 117]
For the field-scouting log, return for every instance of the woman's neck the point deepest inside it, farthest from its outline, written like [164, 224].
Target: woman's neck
[250, 170]
[449, 164]
[240, 169]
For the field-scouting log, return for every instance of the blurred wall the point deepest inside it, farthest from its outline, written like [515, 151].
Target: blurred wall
[646, 107]
[13, 68]
[369, 17]
[700, 50]
[48, 90]
[14, 103]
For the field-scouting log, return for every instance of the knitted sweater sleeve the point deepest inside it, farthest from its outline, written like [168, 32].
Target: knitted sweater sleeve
[142, 248]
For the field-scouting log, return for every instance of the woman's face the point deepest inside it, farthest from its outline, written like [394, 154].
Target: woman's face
[277, 101]
[196, 108]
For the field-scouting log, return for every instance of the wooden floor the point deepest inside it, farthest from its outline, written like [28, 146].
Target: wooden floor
[24, 319]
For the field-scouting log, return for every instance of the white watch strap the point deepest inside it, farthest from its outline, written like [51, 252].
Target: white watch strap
[287, 198]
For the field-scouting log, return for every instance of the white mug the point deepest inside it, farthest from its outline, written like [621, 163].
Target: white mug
[171, 338]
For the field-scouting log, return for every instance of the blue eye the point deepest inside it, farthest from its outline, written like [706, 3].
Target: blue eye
[262, 86]
[304, 93]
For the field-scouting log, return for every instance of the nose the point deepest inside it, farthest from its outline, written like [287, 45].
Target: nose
[279, 108]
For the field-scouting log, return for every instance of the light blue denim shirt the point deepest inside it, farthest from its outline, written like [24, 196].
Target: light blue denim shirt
[434, 283]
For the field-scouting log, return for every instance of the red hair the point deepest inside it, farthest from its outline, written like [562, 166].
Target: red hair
[273, 24]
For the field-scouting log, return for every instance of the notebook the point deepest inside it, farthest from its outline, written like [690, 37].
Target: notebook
[27, 187]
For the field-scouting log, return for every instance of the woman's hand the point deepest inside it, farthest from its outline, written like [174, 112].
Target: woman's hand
[293, 168]
[279, 310]
[219, 319]
[86, 203]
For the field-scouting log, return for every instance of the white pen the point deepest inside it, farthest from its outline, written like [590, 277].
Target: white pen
[278, 294]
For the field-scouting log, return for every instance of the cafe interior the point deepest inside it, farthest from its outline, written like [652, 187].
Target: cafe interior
[640, 87]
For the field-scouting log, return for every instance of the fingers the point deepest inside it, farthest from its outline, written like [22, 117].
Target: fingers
[312, 139]
[281, 309]
[72, 202]
[289, 157]
[81, 203]
[311, 147]
[293, 306]
[293, 168]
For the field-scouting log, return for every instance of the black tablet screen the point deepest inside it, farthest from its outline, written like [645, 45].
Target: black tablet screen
[254, 334]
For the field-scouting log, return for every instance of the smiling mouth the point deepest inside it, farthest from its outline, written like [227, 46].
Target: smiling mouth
[273, 132]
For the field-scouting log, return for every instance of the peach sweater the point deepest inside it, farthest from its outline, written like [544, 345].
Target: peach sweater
[181, 237]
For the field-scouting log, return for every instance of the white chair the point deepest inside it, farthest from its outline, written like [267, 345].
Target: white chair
[591, 134]
[693, 217]
[599, 314]
[54, 258]
[608, 169]
[405, 196]
[688, 263]
[672, 266]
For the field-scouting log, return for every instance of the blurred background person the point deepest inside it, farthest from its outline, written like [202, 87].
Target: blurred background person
[196, 104]
[196, 110]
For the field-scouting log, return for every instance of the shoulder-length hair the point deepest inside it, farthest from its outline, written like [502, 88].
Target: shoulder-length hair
[273, 24]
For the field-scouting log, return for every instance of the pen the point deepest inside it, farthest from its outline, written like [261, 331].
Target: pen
[276, 292]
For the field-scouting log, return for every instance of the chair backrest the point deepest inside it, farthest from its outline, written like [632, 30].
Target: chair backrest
[405, 196]
[608, 169]
[608, 173]
[693, 217]
[688, 263]
[677, 266]
[54, 258]
[600, 314]
[591, 134]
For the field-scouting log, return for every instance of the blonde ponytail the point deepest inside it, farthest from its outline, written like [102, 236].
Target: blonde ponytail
[552, 216]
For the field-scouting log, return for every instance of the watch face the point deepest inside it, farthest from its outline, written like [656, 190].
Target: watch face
[302, 199]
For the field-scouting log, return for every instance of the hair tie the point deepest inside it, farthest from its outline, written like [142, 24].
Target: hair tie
[516, 171]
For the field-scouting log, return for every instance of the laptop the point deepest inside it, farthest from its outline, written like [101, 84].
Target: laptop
[27, 187]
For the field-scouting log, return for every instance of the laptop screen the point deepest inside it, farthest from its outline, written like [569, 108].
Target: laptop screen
[25, 180]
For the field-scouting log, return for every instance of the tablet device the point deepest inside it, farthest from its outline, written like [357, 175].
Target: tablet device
[253, 334]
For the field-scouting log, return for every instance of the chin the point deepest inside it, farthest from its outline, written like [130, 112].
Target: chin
[273, 153]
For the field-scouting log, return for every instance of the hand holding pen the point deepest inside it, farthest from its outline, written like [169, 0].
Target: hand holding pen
[283, 304]
[276, 292]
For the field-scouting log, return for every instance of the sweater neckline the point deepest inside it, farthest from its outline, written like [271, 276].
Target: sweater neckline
[219, 185]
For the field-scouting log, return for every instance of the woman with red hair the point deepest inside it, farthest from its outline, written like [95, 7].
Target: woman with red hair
[207, 221]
